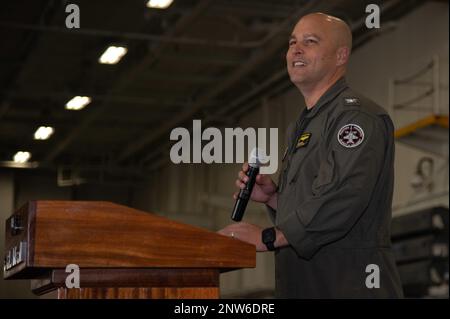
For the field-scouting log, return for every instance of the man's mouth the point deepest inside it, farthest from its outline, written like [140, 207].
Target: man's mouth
[298, 63]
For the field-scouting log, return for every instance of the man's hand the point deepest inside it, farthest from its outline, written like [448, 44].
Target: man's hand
[246, 232]
[264, 191]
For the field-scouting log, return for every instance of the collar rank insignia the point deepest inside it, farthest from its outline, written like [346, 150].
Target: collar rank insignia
[303, 140]
[351, 101]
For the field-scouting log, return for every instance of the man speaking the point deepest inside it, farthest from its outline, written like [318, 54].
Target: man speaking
[332, 206]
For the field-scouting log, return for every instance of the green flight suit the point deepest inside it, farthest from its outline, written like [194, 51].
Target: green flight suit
[334, 201]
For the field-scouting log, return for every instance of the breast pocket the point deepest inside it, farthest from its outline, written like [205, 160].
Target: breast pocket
[301, 159]
[325, 175]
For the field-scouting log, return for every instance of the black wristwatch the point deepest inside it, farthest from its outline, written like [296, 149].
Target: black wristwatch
[269, 236]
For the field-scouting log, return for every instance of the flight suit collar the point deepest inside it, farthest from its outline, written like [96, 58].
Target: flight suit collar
[329, 95]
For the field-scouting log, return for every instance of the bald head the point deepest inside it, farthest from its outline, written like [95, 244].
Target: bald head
[337, 29]
[319, 50]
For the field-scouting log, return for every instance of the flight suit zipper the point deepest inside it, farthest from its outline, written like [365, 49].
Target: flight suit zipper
[292, 148]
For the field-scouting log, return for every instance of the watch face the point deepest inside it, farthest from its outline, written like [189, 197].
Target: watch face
[268, 235]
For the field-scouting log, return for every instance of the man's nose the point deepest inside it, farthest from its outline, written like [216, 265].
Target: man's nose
[298, 49]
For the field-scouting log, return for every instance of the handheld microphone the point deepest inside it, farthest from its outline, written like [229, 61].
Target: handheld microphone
[244, 194]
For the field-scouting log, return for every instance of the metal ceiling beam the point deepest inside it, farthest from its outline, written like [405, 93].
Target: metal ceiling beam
[223, 111]
[134, 36]
[101, 97]
[12, 164]
[257, 9]
[153, 135]
[204, 59]
[156, 38]
[19, 122]
[230, 107]
[124, 81]
[27, 47]
[178, 77]
[133, 148]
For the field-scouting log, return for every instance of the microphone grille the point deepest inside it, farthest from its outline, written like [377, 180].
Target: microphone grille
[257, 157]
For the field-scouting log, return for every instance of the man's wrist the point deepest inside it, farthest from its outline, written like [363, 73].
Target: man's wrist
[268, 237]
[273, 238]
[281, 240]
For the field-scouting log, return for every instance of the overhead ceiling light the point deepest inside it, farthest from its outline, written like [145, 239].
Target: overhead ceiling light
[112, 55]
[43, 132]
[21, 157]
[78, 102]
[159, 4]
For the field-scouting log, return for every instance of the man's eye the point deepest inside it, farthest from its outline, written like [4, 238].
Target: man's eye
[310, 41]
[291, 43]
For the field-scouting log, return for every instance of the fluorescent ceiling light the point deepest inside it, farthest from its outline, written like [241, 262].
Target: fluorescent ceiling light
[159, 4]
[43, 132]
[22, 157]
[78, 102]
[112, 55]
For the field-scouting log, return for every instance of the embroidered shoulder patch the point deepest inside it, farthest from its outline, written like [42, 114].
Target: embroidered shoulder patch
[350, 135]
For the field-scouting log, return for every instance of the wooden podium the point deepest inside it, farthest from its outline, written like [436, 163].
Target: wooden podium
[121, 252]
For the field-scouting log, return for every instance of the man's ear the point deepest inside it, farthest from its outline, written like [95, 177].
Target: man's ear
[342, 55]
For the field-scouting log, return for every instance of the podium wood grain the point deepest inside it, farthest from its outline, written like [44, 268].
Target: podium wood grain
[139, 293]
